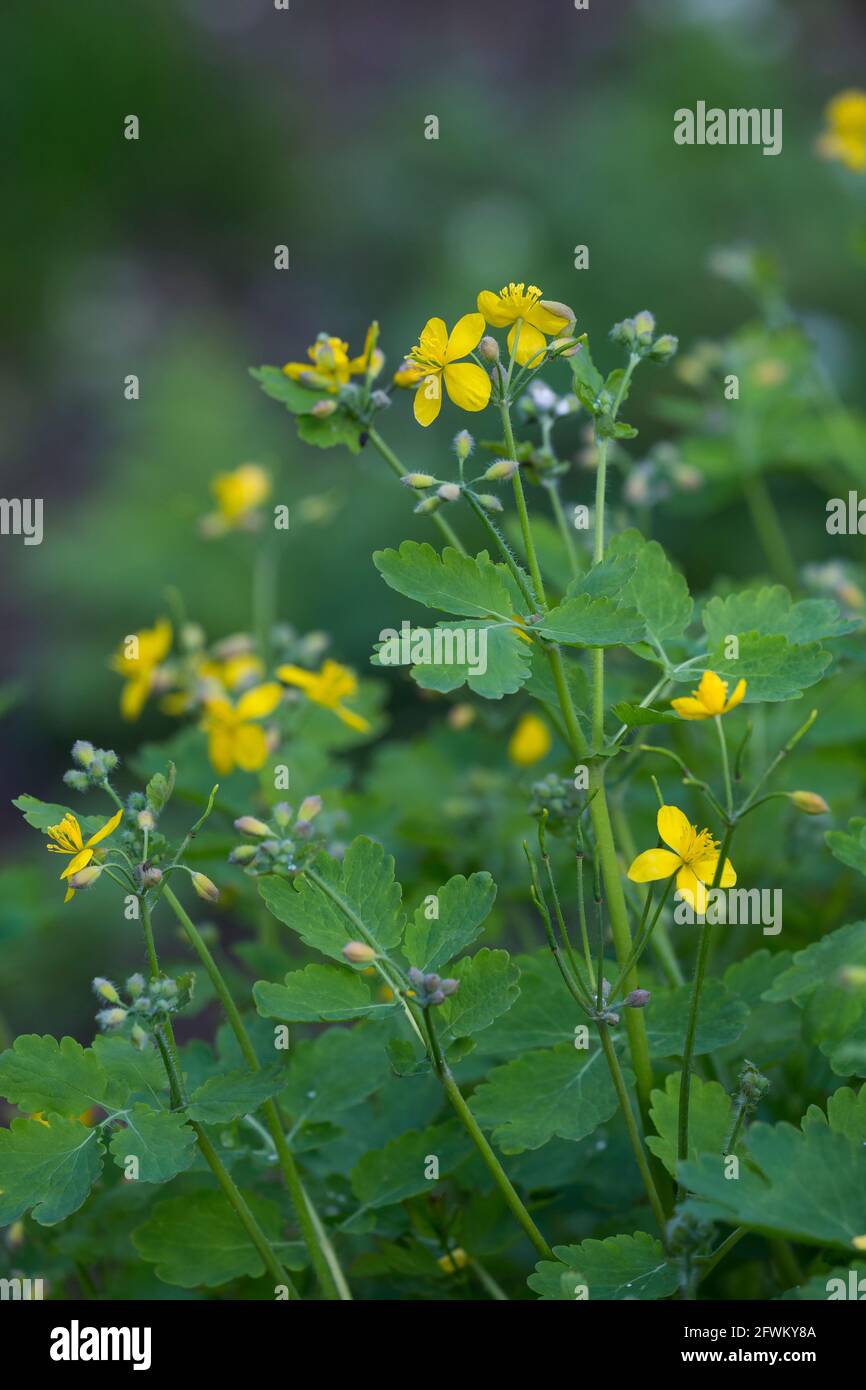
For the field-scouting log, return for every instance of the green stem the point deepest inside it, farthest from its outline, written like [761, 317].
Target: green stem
[632, 1127]
[312, 1231]
[694, 1004]
[396, 467]
[523, 514]
[769, 528]
[726, 770]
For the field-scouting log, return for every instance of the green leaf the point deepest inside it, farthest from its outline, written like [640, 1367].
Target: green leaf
[542, 1016]
[771, 612]
[592, 622]
[40, 1073]
[562, 1091]
[198, 1240]
[709, 1119]
[335, 430]
[363, 884]
[224, 1098]
[296, 398]
[399, 1170]
[636, 716]
[462, 906]
[846, 1113]
[588, 380]
[606, 579]
[453, 583]
[334, 1072]
[849, 848]
[159, 789]
[317, 994]
[655, 589]
[772, 668]
[506, 659]
[721, 1019]
[620, 1267]
[806, 1186]
[820, 963]
[488, 988]
[42, 814]
[48, 1167]
[136, 1074]
[162, 1142]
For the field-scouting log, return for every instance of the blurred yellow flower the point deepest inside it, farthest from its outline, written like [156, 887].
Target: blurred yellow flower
[456, 1259]
[844, 138]
[530, 741]
[710, 698]
[67, 839]
[234, 739]
[328, 688]
[436, 354]
[522, 306]
[137, 660]
[239, 495]
[693, 856]
[331, 365]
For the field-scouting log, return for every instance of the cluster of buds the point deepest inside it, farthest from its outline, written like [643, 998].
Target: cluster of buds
[559, 797]
[662, 471]
[94, 765]
[837, 579]
[752, 1086]
[142, 813]
[281, 845]
[639, 336]
[144, 1006]
[431, 989]
[541, 402]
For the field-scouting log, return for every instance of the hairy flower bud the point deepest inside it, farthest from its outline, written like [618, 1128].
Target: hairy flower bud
[146, 820]
[205, 887]
[417, 480]
[449, 492]
[111, 1018]
[664, 347]
[489, 502]
[77, 780]
[810, 803]
[135, 985]
[463, 445]
[149, 875]
[488, 349]
[358, 952]
[83, 752]
[85, 878]
[638, 999]
[430, 504]
[249, 825]
[104, 989]
[644, 326]
[501, 471]
[322, 409]
[449, 986]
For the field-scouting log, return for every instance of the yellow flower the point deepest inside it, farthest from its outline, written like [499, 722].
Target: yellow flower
[710, 698]
[408, 374]
[530, 741]
[331, 365]
[234, 740]
[68, 839]
[523, 306]
[150, 646]
[693, 856]
[241, 492]
[845, 137]
[437, 354]
[457, 1259]
[327, 688]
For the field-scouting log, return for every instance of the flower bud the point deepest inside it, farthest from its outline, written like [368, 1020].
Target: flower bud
[205, 887]
[76, 779]
[564, 347]
[810, 803]
[104, 989]
[85, 878]
[501, 470]
[664, 347]
[138, 1037]
[461, 716]
[249, 825]
[358, 952]
[111, 1018]
[282, 814]
[149, 875]
[309, 808]
[449, 492]
[489, 502]
[638, 999]
[456, 1259]
[322, 409]
[437, 996]
[418, 480]
[146, 820]
[644, 327]
[449, 986]
[83, 752]
[463, 445]
[563, 311]
[243, 854]
[416, 977]
[135, 985]
[488, 349]
[429, 505]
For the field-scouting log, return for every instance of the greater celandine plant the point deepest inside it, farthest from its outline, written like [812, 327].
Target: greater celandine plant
[488, 1058]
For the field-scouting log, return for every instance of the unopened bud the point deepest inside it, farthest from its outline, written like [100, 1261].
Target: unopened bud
[461, 716]
[419, 480]
[309, 808]
[322, 409]
[563, 311]
[135, 985]
[489, 502]
[810, 803]
[463, 445]
[449, 986]
[243, 854]
[146, 820]
[644, 326]
[358, 952]
[249, 825]
[564, 347]
[139, 1037]
[83, 752]
[664, 347]
[149, 875]
[104, 989]
[488, 349]
[501, 470]
[638, 999]
[111, 1018]
[282, 814]
[449, 492]
[85, 878]
[205, 887]
[380, 400]
[429, 505]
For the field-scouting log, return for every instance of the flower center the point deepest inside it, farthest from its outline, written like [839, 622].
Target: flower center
[698, 845]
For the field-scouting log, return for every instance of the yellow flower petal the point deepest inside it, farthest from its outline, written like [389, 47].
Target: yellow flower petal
[134, 695]
[692, 889]
[673, 827]
[530, 742]
[433, 342]
[739, 692]
[107, 829]
[712, 691]
[468, 386]
[352, 720]
[250, 747]
[495, 309]
[259, 702]
[221, 749]
[465, 336]
[79, 862]
[687, 707]
[428, 399]
[547, 321]
[653, 864]
[297, 675]
[531, 344]
[705, 870]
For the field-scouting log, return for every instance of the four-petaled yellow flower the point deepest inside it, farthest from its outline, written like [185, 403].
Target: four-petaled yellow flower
[710, 698]
[845, 136]
[523, 308]
[239, 495]
[530, 742]
[234, 739]
[693, 856]
[137, 660]
[437, 354]
[328, 687]
[68, 839]
[331, 364]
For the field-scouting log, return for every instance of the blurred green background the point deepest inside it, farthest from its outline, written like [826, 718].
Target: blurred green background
[306, 127]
